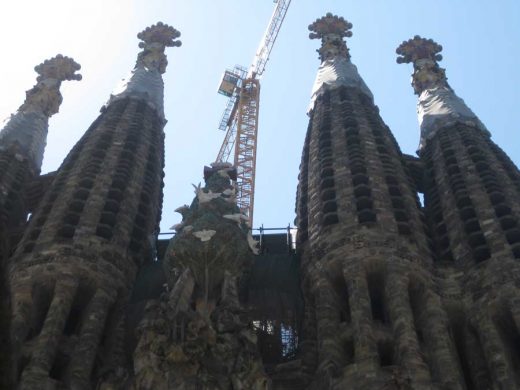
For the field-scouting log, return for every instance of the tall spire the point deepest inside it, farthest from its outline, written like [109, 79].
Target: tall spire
[145, 81]
[438, 104]
[29, 125]
[89, 235]
[336, 69]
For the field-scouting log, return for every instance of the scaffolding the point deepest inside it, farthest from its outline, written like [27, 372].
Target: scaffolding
[245, 149]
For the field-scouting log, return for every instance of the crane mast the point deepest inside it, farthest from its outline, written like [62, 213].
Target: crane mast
[240, 118]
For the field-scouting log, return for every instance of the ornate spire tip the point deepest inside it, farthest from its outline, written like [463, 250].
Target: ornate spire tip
[330, 25]
[418, 48]
[59, 68]
[424, 54]
[331, 29]
[161, 34]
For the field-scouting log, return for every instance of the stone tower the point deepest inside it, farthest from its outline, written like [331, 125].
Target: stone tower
[372, 317]
[22, 143]
[472, 202]
[73, 269]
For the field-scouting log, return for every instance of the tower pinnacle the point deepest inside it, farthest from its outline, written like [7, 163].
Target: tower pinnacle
[27, 128]
[336, 69]
[155, 39]
[45, 96]
[424, 54]
[145, 81]
[438, 104]
[331, 29]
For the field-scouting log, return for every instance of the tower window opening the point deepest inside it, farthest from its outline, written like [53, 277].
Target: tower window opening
[343, 299]
[420, 195]
[350, 352]
[376, 287]
[59, 366]
[289, 340]
[42, 298]
[77, 311]
[385, 349]
[457, 330]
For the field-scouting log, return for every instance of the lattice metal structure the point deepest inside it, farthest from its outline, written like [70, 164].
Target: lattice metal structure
[240, 117]
[245, 149]
[230, 86]
[271, 33]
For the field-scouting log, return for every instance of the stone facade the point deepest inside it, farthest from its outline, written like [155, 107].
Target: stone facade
[382, 292]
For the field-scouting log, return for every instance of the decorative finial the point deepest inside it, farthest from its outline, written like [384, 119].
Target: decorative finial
[331, 29]
[45, 96]
[155, 39]
[58, 68]
[418, 48]
[424, 53]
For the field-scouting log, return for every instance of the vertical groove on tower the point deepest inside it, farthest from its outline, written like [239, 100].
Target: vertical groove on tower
[302, 196]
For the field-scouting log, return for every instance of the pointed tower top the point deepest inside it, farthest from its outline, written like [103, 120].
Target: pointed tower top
[145, 80]
[418, 48]
[438, 105]
[45, 96]
[27, 128]
[424, 53]
[335, 69]
[331, 29]
[155, 39]
[59, 68]
[159, 33]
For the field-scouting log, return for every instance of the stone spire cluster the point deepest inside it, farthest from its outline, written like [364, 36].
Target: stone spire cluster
[365, 259]
[381, 292]
[90, 233]
[383, 277]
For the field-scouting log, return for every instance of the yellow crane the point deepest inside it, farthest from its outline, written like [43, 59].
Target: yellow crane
[240, 118]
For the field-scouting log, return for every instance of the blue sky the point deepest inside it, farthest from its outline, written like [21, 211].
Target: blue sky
[480, 40]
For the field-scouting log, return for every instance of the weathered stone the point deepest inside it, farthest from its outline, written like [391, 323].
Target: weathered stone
[210, 344]
[396, 295]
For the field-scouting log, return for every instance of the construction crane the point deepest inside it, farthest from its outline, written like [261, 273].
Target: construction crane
[240, 118]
